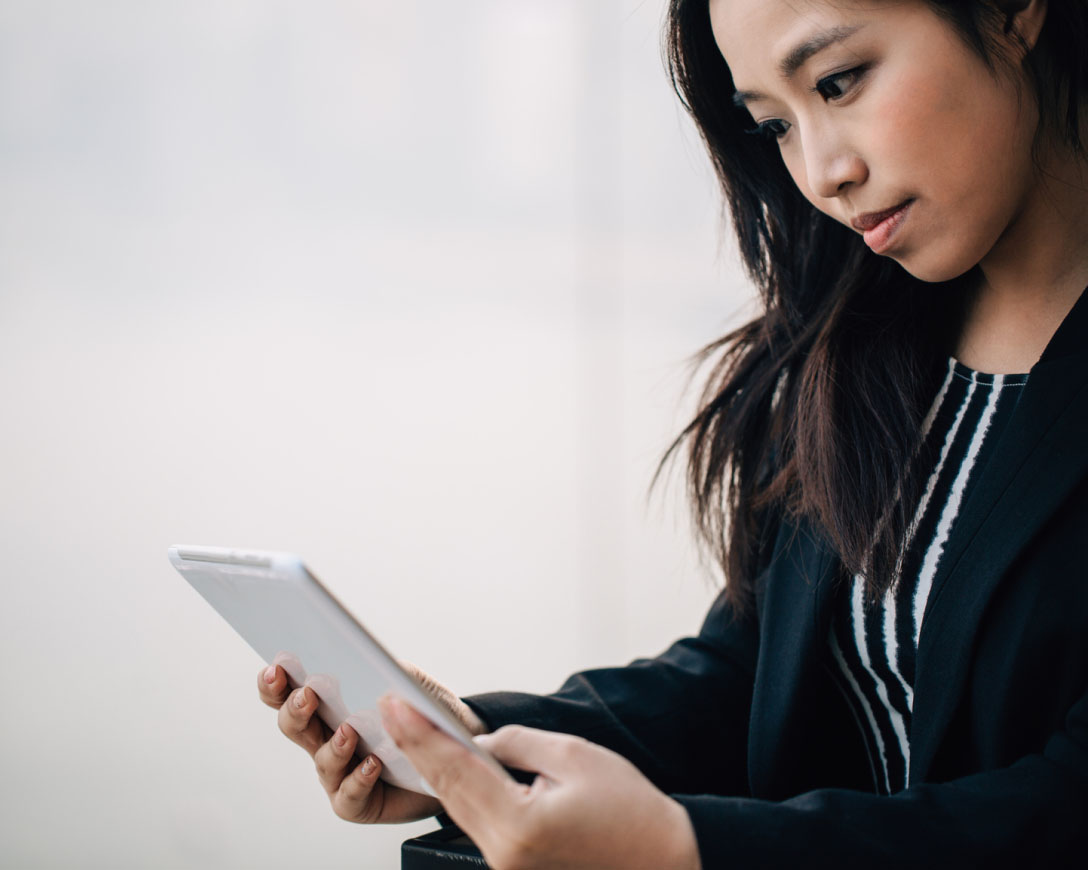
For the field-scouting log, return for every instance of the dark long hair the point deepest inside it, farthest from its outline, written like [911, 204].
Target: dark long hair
[813, 409]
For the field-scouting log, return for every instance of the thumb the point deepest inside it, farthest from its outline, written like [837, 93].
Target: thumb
[557, 756]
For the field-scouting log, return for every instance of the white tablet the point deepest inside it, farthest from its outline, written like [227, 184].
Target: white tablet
[290, 619]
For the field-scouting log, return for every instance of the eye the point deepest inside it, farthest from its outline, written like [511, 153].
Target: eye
[772, 130]
[837, 85]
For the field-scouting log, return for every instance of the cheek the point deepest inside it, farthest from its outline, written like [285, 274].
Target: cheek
[910, 124]
[956, 132]
[794, 160]
[795, 165]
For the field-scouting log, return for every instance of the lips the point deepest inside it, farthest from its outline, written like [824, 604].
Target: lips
[865, 222]
[879, 228]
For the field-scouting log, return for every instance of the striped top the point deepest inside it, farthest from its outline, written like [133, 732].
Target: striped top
[874, 644]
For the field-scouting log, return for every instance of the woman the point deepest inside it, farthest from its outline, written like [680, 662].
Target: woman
[890, 464]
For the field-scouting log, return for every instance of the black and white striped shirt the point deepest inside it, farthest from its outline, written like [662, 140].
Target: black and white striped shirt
[874, 645]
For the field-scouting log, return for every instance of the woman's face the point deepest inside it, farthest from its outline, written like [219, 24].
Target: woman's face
[887, 122]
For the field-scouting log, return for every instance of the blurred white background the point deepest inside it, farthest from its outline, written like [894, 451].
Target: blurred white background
[406, 287]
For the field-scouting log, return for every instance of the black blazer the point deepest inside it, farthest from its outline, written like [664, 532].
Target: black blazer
[745, 726]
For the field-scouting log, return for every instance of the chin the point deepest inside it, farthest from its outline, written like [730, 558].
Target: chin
[935, 269]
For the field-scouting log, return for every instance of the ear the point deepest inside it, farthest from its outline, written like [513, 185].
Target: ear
[1024, 18]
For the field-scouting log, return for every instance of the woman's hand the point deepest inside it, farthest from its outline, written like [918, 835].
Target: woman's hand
[353, 787]
[588, 806]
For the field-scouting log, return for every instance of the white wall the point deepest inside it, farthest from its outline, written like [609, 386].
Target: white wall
[404, 286]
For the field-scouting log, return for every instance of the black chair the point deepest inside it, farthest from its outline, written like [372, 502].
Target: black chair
[447, 847]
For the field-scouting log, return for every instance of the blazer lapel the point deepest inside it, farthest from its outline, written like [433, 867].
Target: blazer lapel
[1041, 456]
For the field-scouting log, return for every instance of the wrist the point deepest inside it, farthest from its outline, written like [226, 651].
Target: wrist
[472, 722]
[682, 849]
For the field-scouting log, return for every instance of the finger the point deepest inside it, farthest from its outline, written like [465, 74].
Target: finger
[473, 793]
[557, 756]
[334, 758]
[353, 796]
[272, 686]
[298, 722]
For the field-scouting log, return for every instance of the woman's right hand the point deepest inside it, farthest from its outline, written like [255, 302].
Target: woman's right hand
[354, 789]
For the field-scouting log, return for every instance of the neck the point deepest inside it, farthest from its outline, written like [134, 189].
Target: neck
[1034, 274]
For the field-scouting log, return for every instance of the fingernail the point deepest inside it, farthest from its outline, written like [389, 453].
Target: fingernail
[403, 712]
[368, 765]
[270, 674]
[390, 706]
[341, 738]
[391, 718]
[300, 699]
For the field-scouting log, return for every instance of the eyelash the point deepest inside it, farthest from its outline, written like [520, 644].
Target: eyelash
[776, 128]
[855, 74]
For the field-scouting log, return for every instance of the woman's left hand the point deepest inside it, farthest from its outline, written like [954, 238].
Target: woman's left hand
[588, 806]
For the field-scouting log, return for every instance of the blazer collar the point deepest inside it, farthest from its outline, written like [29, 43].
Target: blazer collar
[1041, 456]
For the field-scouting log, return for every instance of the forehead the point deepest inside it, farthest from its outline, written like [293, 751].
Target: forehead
[755, 36]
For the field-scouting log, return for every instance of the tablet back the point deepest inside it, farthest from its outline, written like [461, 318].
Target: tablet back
[290, 619]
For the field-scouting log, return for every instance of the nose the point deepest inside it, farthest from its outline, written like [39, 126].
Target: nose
[832, 165]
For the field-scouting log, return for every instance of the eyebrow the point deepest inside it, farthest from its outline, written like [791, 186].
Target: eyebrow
[800, 55]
